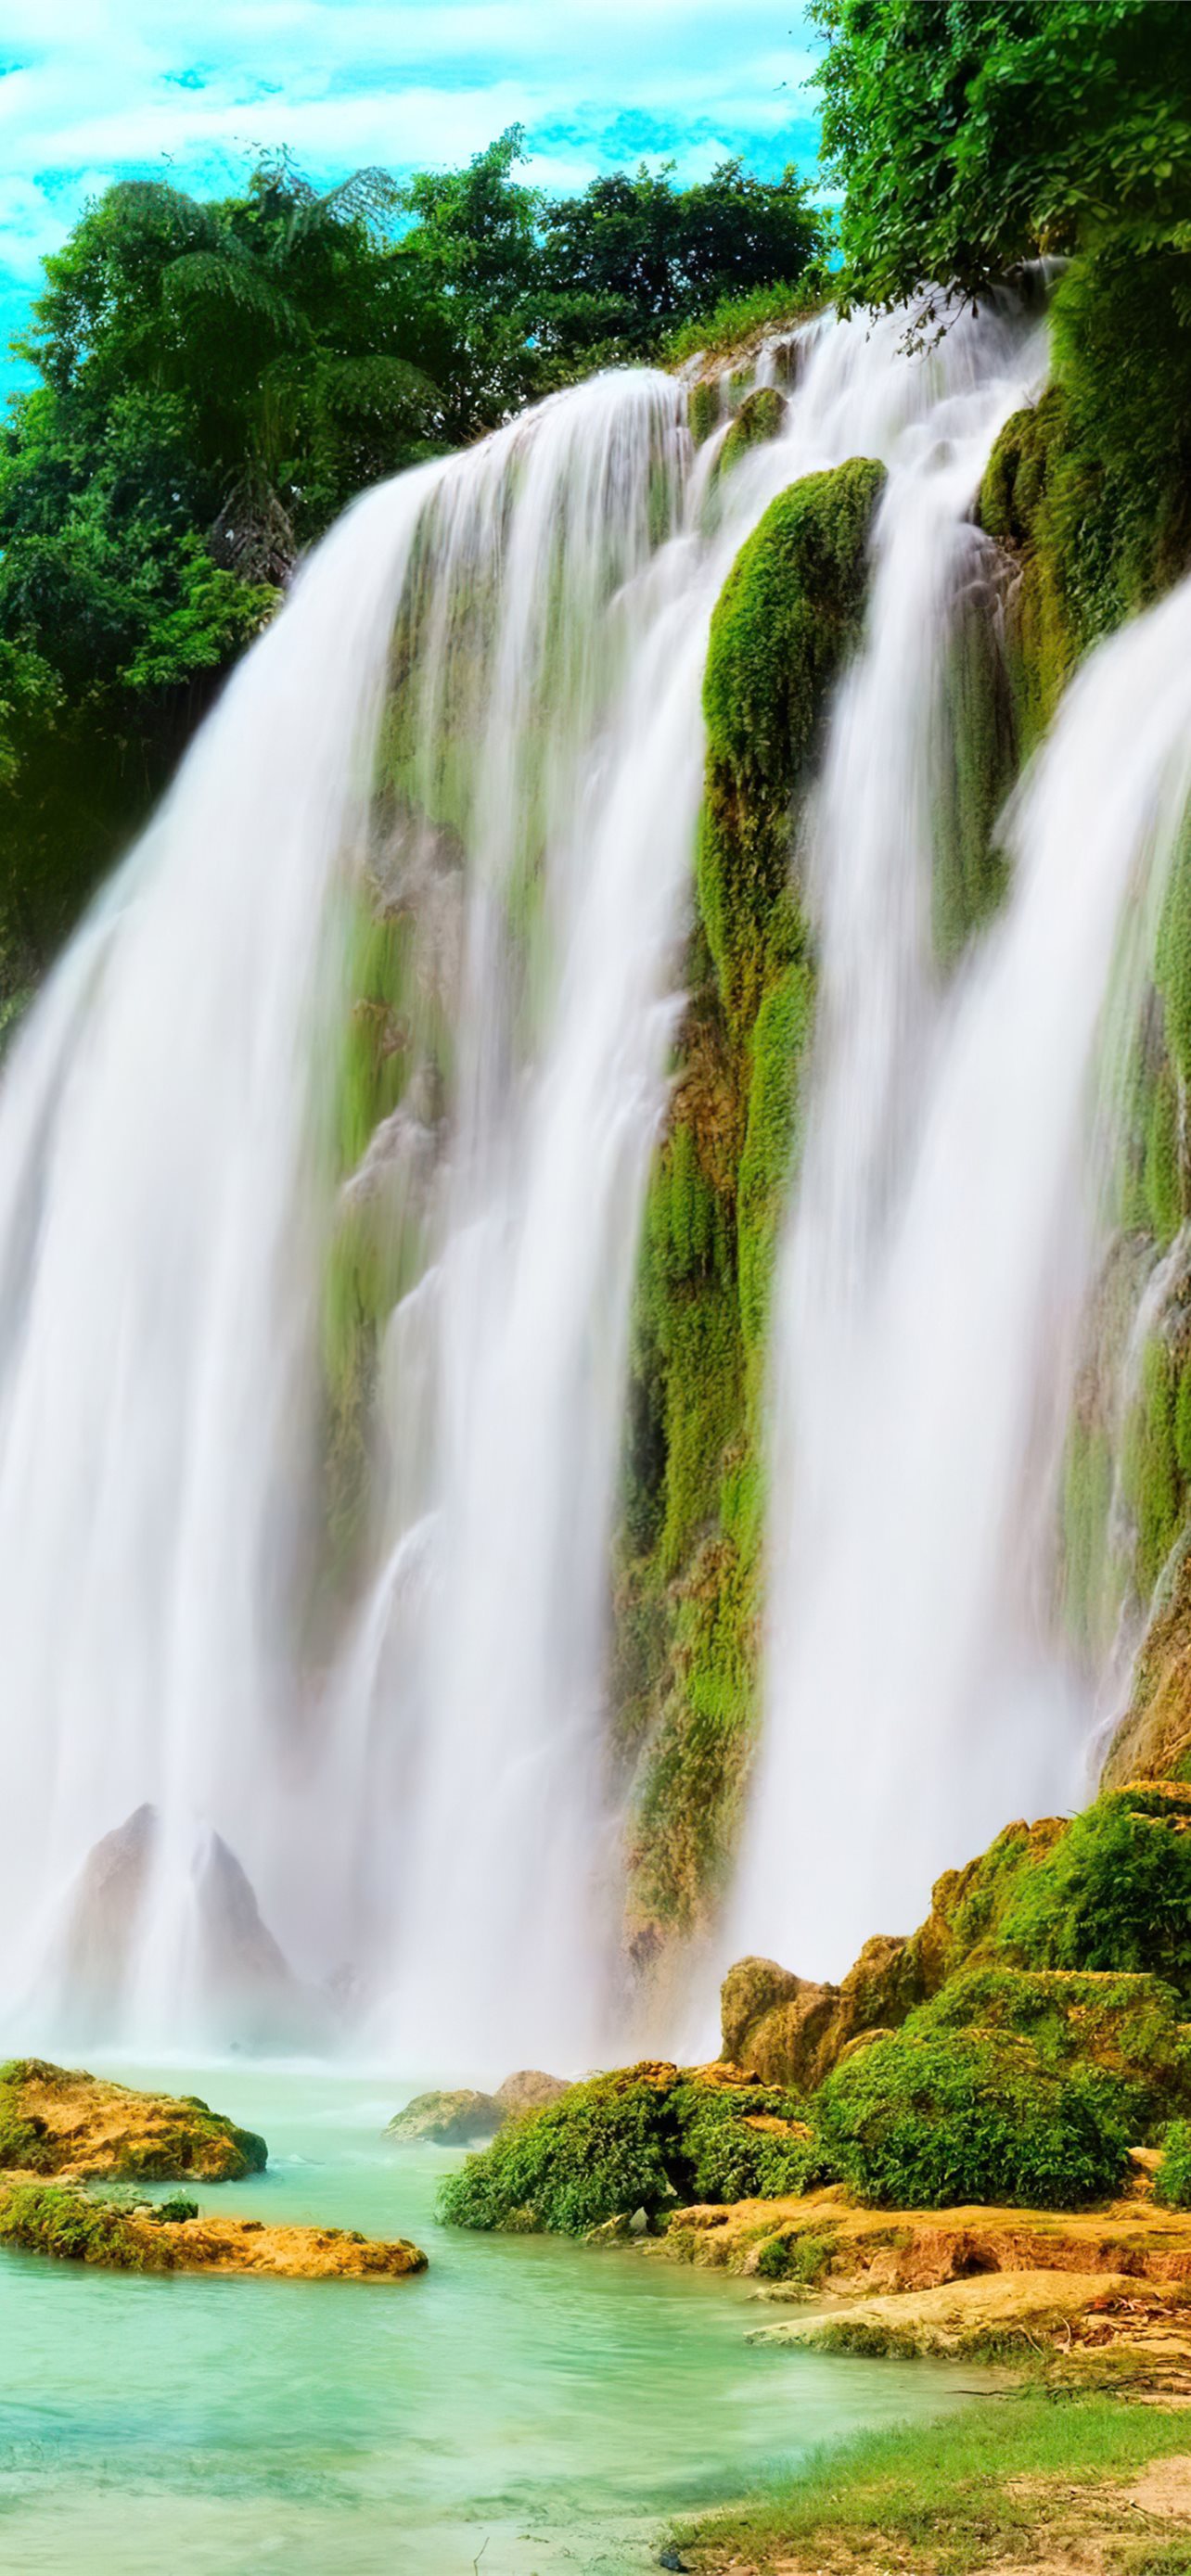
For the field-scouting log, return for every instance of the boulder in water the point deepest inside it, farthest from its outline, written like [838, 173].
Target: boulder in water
[50, 2218]
[56, 2119]
[529, 2090]
[447, 2119]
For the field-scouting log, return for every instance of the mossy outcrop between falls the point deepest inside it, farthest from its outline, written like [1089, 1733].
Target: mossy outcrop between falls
[688, 1588]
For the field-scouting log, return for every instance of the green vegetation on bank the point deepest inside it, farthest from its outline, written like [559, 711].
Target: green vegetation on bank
[1009, 2052]
[644, 2138]
[1028, 2480]
[930, 2120]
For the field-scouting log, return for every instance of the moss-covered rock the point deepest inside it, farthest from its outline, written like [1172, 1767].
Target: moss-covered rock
[790, 609]
[58, 2120]
[1114, 1893]
[77, 2226]
[762, 416]
[447, 2119]
[643, 2138]
[688, 1590]
[934, 2120]
[1131, 2026]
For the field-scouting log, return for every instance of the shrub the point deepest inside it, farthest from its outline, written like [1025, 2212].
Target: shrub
[175, 2210]
[803, 2259]
[642, 2138]
[1172, 2182]
[928, 2121]
[1114, 1893]
[1131, 2026]
[50, 2218]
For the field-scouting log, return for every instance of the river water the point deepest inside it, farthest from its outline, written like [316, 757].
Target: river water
[527, 2403]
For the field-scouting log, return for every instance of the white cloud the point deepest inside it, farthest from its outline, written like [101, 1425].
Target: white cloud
[90, 89]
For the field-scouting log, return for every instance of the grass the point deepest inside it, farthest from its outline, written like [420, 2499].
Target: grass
[1012, 2479]
[735, 318]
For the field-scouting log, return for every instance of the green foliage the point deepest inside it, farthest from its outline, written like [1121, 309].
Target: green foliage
[1113, 1893]
[174, 2211]
[1130, 2026]
[219, 377]
[967, 135]
[933, 2120]
[1172, 2182]
[50, 2218]
[799, 2258]
[740, 318]
[634, 254]
[643, 2138]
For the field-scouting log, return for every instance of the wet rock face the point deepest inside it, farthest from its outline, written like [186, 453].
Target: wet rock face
[788, 2030]
[255, 2000]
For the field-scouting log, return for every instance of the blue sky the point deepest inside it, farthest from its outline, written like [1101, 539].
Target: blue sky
[94, 90]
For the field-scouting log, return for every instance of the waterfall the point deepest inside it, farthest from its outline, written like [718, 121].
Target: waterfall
[316, 1271]
[940, 1251]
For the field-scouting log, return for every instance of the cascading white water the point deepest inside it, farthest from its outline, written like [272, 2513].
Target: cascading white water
[157, 1199]
[930, 1299]
[480, 717]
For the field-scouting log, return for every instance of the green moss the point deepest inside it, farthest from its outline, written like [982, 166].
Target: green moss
[642, 2138]
[703, 409]
[934, 2120]
[1172, 963]
[761, 417]
[789, 611]
[50, 2218]
[1172, 2182]
[1087, 1501]
[975, 768]
[1131, 2026]
[1152, 1476]
[795, 2257]
[1114, 1893]
[777, 1053]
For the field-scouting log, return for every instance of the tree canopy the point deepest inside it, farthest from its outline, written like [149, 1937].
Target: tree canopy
[219, 377]
[969, 135]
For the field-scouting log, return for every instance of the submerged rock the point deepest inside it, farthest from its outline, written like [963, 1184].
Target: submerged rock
[447, 2119]
[46, 2218]
[55, 2119]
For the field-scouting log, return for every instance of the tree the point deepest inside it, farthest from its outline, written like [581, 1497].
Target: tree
[632, 256]
[969, 135]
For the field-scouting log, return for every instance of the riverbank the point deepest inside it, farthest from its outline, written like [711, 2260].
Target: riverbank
[526, 2397]
[1026, 2483]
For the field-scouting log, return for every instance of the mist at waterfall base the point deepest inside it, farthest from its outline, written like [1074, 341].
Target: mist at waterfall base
[377, 1790]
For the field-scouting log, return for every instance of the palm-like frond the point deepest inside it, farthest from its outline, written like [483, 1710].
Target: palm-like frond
[170, 207]
[227, 277]
[377, 386]
[366, 196]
